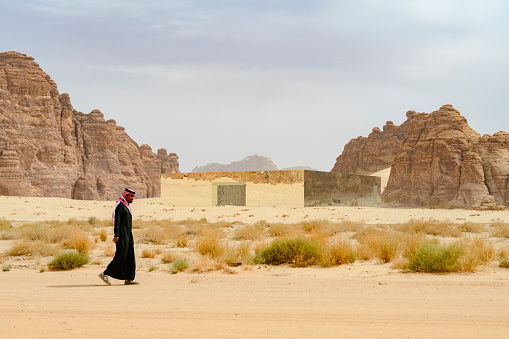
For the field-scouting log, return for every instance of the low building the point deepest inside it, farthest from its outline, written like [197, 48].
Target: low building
[294, 188]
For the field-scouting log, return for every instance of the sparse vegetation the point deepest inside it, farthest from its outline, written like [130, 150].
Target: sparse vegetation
[6, 268]
[208, 243]
[432, 257]
[381, 244]
[179, 265]
[103, 234]
[431, 227]
[31, 248]
[337, 252]
[79, 241]
[298, 251]
[503, 262]
[250, 232]
[68, 260]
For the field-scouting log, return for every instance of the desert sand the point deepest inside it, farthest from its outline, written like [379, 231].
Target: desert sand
[361, 300]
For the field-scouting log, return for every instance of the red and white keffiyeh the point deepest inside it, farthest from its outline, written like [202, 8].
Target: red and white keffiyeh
[122, 200]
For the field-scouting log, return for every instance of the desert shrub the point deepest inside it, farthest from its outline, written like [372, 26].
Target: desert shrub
[472, 227]
[409, 243]
[103, 234]
[5, 223]
[179, 265]
[250, 232]
[500, 230]
[32, 232]
[476, 252]
[337, 252]
[148, 253]
[161, 234]
[34, 248]
[152, 268]
[234, 254]
[168, 257]
[68, 260]
[208, 243]
[380, 244]
[431, 227]
[296, 251]
[318, 230]
[92, 220]
[282, 230]
[6, 268]
[79, 241]
[182, 240]
[432, 257]
[503, 262]
[7, 233]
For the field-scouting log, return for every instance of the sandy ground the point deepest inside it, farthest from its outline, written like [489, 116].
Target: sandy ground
[36, 209]
[363, 300]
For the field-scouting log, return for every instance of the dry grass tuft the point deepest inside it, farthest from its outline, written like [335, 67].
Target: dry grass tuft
[208, 243]
[431, 227]
[148, 253]
[500, 230]
[380, 244]
[79, 241]
[161, 235]
[476, 252]
[250, 232]
[168, 257]
[5, 223]
[182, 240]
[207, 265]
[103, 234]
[280, 230]
[31, 248]
[472, 227]
[337, 252]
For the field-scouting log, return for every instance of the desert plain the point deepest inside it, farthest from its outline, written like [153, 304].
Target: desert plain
[364, 299]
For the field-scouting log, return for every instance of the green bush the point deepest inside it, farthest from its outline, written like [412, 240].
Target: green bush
[68, 260]
[432, 257]
[297, 251]
[179, 265]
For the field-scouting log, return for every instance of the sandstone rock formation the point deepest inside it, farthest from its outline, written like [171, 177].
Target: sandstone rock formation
[439, 162]
[250, 163]
[49, 149]
[366, 155]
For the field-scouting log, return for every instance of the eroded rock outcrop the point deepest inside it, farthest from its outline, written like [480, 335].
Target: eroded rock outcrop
[440, 162]
[251, 163]
[366, 155]
[49, 149]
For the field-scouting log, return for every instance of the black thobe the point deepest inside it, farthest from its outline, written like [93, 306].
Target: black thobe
[123, 265]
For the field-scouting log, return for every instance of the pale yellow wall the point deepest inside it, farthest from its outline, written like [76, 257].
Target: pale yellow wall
[280, 195]
[181, 190]
[186, 192]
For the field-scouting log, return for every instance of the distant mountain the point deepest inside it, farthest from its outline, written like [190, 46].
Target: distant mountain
[251, 163]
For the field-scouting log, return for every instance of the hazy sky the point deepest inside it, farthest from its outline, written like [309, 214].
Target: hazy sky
[215, 81]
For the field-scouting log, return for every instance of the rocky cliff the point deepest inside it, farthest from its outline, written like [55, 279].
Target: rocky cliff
[439, 161]
[49, 149]
[250, 163]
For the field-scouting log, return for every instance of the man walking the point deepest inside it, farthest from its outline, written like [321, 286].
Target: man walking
[123, 265]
